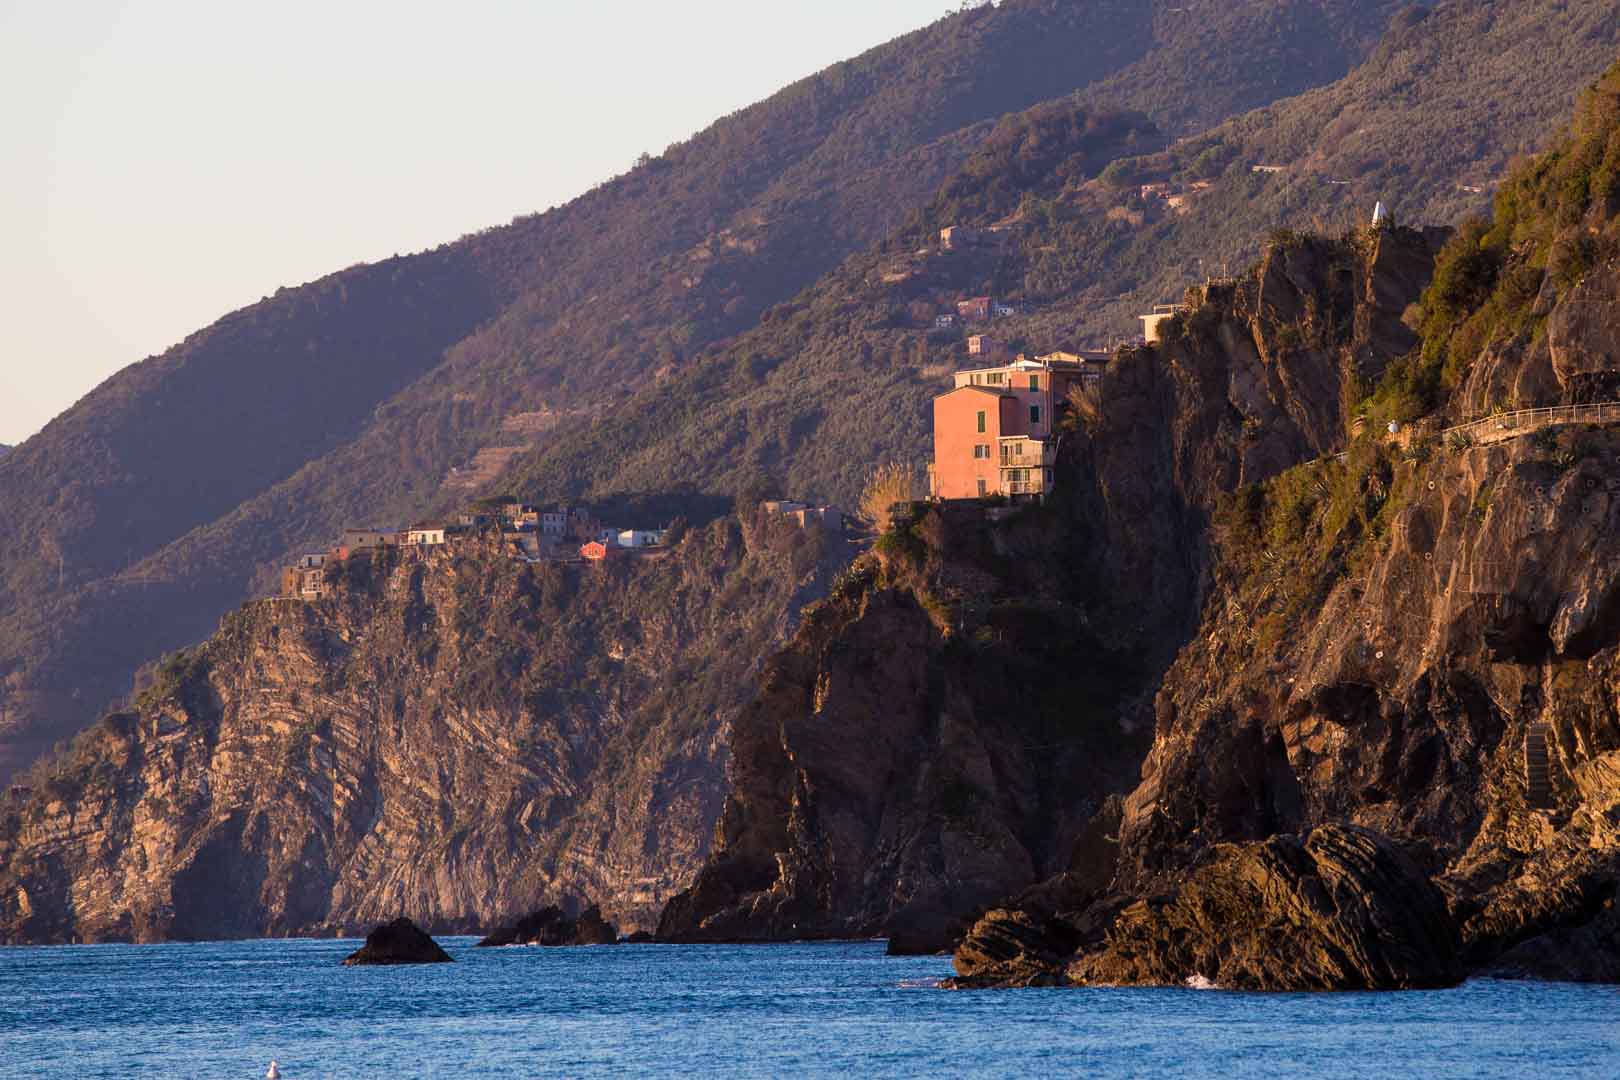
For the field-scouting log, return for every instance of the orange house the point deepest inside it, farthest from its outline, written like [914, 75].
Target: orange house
[596, 551]
[969, 423]
[993, 433]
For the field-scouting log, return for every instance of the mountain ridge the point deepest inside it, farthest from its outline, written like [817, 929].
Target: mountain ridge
[559, 315]
[1092, 255]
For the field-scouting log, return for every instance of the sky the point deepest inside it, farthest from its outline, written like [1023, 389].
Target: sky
[164, 163]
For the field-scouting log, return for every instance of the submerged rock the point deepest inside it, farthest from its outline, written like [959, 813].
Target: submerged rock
[1343, 909]
[549, 926]
[398, 942]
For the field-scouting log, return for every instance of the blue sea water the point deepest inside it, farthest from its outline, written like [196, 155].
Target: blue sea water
[226, 1009]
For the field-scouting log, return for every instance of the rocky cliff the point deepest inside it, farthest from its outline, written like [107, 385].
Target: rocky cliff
[937, 735]
[949, 727]
[1339, 909]
[455, 736]
[1419, 638]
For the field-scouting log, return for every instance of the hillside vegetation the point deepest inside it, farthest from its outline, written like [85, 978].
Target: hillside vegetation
[841, 376]
[384, 391]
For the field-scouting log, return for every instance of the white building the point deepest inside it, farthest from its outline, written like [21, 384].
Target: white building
[641, 538]
[425, 536]
[1150, 323]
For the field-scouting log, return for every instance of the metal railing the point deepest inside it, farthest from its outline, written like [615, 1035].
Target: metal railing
[1024, 487]
[1510, 425]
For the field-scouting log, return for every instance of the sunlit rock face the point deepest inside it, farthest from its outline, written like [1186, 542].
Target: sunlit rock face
[457, 737]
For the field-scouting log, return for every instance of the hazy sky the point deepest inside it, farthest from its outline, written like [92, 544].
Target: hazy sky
[167, 162]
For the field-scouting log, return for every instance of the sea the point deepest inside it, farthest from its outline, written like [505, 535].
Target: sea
[829, 1009]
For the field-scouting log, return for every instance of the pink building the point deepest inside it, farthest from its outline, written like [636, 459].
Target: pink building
[993, 431]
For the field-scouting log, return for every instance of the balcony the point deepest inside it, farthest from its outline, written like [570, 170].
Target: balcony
[1036, 453]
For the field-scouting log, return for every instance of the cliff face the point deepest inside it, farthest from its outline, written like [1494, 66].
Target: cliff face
[457, 736]
[1256, 375]
[1419, 638]
[1422, 638]
[949, 727]
[938, 734]
[1410, 687]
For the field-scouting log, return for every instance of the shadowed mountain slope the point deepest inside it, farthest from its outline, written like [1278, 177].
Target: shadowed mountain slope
[842, 375]
[383, 391]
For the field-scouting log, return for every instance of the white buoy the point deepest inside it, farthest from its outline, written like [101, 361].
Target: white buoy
[273, 1072]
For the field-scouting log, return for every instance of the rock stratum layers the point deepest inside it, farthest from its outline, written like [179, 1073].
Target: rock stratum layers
[455, 736]
[1340, 909]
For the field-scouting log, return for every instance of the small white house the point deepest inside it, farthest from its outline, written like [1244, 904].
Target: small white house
[429, 536]
[641, 538]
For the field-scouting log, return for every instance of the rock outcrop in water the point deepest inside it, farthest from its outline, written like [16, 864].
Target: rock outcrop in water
[1586, 952]
[398, 942]
[1341, 909]
[455, 734]
[549, 926]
